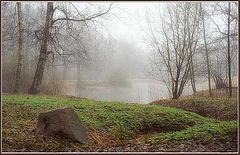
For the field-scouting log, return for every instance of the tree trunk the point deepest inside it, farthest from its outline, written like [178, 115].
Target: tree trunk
[20, 48]
[206, 50]
[229, 52]
[192, 76]
[175, 92]
[78, 73]
[193, 83]
[43, 51]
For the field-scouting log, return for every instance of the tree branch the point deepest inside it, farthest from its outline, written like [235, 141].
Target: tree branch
[84, 19]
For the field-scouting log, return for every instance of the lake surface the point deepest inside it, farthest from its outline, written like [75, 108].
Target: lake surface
[141, 90]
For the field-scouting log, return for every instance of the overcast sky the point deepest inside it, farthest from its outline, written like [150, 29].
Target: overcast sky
[130, 23]
[127, 20]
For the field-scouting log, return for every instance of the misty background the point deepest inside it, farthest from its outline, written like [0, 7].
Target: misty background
[109, 58]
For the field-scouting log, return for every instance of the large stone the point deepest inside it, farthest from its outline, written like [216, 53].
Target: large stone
[62, 122]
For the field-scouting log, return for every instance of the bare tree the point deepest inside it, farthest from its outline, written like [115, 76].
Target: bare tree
[8, 42]
[229, 52]
[217, 67]
[20, 48]
[206, 49]
[228, 35]
[43, 51]
[192, 74]
[174, 54]
[47, 37]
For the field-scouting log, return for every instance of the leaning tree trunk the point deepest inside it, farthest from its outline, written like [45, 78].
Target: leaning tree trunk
[43, 51]
[20, 48]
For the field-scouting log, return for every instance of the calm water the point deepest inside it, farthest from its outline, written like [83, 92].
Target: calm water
[140, 91]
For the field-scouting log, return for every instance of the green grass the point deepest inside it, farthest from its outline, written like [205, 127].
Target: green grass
[119, 120]
[204, 132]
[115, 120]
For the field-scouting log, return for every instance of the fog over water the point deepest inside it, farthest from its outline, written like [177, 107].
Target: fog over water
[122, 74]
[120, 55]
[141, 91]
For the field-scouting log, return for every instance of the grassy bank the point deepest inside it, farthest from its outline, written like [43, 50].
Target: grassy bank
[218, 107]
[109, 124]
[222, 109]
[203, 132]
